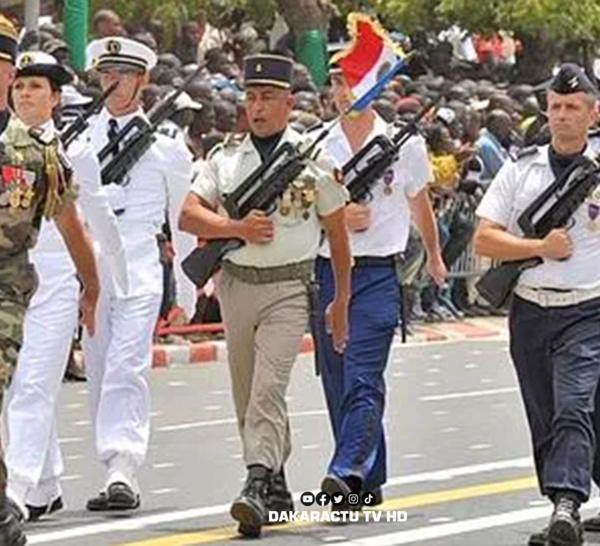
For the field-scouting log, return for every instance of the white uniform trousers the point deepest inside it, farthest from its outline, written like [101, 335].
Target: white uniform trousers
[118, 361]
[33, 455]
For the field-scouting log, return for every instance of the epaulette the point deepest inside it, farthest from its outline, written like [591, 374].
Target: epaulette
[233, 140]
[170, 132]
[216, 148]
[526, 152]
[594, 133]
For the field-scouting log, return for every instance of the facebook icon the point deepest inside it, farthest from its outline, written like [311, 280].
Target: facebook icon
[323, 499]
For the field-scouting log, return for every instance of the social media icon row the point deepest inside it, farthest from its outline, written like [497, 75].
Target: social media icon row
[337, 499]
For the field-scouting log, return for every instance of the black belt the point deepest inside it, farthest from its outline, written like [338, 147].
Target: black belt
[375, 261]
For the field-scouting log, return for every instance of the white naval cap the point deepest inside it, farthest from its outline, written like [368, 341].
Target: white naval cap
[38, 63]
[117, 51]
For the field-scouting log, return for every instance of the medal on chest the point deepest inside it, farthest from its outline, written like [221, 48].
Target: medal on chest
[388, 179]
[17, 187]
[593, 209]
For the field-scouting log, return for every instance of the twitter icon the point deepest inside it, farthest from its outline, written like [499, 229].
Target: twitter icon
[337, 499]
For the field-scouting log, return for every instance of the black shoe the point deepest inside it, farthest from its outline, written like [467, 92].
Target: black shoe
[122, 497]
[98, 503]
[11, 527]
[36, 512]
[565, 524]
[334, 486]
[539, 539]
[279, 498]
[250, 508]
[592, 524]
[118, 497]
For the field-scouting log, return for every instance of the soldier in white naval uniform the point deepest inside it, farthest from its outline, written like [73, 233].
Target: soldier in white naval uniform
[118, 358]
[33, 455]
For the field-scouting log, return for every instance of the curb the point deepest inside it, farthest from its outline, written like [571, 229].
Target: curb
[209, 352]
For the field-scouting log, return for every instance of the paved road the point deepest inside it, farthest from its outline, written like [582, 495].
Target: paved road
[459, 459]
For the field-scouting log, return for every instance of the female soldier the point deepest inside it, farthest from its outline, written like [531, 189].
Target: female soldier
[33, 455]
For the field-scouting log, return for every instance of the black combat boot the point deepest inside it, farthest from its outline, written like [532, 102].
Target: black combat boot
[11, 525]
[250, 508]
[565, 527]
[279, 498]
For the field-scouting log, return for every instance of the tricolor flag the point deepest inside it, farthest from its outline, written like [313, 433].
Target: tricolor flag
[370, 61]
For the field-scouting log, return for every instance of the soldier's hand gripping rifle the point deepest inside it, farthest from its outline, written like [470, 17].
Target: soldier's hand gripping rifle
[259, 191]
[373, 160]
[136, 138]
[552, 209]
[72, 132]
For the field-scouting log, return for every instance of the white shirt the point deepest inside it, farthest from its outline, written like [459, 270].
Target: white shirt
[390, 213]
[156, 186]
[93, 203]
[297, 228]
[515, 187]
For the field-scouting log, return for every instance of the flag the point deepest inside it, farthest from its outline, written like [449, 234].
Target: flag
[371, 60]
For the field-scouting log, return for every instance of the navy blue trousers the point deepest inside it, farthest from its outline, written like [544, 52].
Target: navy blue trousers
[353, 382]
[556, 352]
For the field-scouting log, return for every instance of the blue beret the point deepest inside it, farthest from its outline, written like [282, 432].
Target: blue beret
[570, 79]
[268, 69]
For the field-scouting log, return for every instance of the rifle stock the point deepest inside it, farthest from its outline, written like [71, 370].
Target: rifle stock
[203, 262]
[497, 283]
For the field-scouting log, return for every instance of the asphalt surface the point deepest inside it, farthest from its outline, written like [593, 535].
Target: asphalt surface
[458, 452]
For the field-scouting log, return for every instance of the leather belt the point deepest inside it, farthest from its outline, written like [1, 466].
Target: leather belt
[299, 271]
[547, 297]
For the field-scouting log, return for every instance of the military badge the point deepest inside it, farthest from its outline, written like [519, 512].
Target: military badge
[388, 179]
[593, 211]
[113, 47]
[338, 176]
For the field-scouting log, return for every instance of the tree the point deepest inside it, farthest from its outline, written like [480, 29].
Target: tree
[545, 27]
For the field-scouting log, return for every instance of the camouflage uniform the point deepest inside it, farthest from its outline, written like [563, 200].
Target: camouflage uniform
[34, 182]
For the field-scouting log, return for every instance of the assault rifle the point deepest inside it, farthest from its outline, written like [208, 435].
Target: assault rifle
[552, 209]
[374, 159]
[78, 126]
[136, 138]
[259, 191]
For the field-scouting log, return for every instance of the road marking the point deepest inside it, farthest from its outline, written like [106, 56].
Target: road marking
[441, 520]
[467, 394]
[71, 478]
[159, 466]
[74, 406]
[73, 457]
[230, 421]
[82, 423]
[70, 440]
[457, 528]
[164, 491]
[413, 456]
[311, 446]
[213, 408]
[431, 384]
[176, 383]
[479, 447]
[142, 522]
[212, 536]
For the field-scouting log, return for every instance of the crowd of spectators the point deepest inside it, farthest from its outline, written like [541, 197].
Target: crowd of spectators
[476, 126]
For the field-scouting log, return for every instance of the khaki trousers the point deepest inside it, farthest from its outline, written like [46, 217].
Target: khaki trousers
[264, 325]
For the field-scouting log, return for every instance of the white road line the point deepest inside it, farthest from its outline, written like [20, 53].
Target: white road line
[71, 478]
[82, 423]
[160, 466]
[70, 440]
[142, 522]
[456, 528]
[468, 394]
[164, 491]
[230, 421]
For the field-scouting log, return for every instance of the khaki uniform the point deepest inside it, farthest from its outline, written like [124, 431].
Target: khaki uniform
[34, 183]
[263, 293]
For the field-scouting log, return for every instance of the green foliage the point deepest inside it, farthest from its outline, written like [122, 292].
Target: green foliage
[173, 12]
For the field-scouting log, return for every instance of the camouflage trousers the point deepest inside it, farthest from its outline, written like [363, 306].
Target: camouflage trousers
[17, 285]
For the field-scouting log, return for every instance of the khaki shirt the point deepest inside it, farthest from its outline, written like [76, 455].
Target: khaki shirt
[312, 195]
